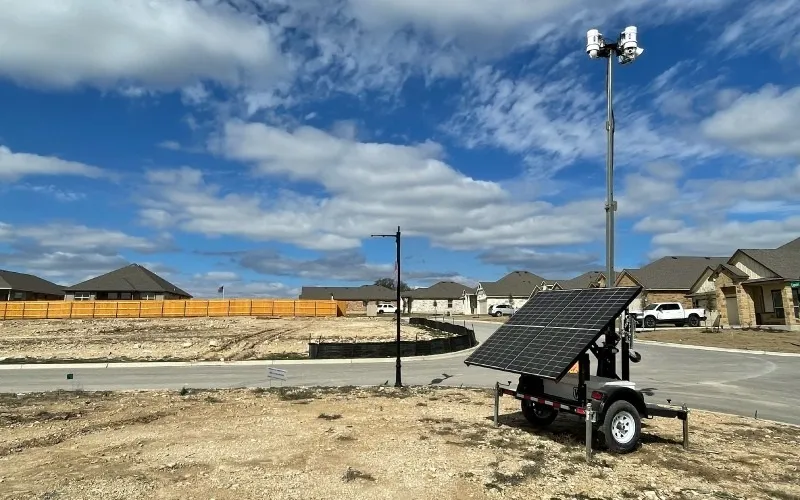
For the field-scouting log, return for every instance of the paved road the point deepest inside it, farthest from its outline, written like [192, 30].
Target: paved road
[721, 381]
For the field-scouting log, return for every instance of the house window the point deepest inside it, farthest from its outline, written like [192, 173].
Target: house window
[83, 296]
[113, 296]
[148, 296]
[450, 303]
[777, 304]
[796, 299]
[18, 296]
[125, 296]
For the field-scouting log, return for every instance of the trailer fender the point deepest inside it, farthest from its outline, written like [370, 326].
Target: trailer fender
[635, 398]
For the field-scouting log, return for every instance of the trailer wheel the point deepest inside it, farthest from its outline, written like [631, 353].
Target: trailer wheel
[622, 427]
[538, 415]
[649, 322]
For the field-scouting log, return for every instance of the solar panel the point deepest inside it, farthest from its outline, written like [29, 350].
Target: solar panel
[552, 330]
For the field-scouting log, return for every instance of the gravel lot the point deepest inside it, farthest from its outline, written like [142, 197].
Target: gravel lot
[230, 338]
[381, 443]
[736, 339]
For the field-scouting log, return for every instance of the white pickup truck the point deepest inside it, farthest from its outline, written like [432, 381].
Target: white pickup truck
[669, 312]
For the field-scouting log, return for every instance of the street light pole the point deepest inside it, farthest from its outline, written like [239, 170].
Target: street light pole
[398, 376]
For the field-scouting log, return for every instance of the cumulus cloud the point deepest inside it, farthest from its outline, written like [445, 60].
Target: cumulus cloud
[546, 264]
[162, 44]
[425, 195]
[770, 118]
[14, 166]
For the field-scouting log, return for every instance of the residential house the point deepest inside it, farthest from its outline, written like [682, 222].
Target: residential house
[668, 279]
[21, 286]
[445, 297]
[357, 297]
[589, 279]
[760, 287]
[133, 282]
[514, 288]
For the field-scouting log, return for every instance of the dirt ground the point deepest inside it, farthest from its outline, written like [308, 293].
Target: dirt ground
[182, 339]
[365, 443]
[735, 339]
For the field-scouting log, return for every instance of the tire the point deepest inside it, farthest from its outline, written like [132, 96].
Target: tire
[622, 427]
[380, 311]
[538, 415]
[694, 321]
[649, 322]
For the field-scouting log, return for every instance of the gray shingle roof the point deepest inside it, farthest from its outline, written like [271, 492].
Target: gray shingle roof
[441, 290]
[132, 278]
[674, 272]
[783, 261]
[28, 283]
[581, 281]
[515, 283]
[364, 292]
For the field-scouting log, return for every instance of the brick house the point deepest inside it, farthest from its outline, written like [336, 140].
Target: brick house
[760, 287]
[668, 279]
[590, 279]
[356, 297]
[445, 297]
[21, 286]
[132, 282]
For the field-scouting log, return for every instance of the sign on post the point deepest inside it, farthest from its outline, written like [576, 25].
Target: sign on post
[276, 374]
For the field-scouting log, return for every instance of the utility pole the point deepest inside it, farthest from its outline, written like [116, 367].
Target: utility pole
[398, 375]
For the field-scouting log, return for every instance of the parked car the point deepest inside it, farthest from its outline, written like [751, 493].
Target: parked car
[502, 310]
[387, 309]
[669, 312]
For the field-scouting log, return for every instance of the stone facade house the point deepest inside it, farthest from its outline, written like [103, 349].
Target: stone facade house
[445, 297]
[668, 279]
[21, 286]
[356, 297]
[132, 282]
[760, 287]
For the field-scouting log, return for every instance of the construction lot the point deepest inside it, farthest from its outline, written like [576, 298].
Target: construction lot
[375, 442]
[187, 339]
[756, 340]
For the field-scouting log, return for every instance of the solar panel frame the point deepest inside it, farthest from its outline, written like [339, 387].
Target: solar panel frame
[563, 324]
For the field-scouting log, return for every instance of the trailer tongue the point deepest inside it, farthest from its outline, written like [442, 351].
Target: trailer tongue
[548, 343]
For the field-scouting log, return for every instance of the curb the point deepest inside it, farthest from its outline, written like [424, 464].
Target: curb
[718, 349]
[263, 362]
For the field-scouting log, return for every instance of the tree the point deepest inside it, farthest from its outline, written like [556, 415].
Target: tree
[389, 283]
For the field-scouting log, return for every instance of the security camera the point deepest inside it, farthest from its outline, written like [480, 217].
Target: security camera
[594, 41]
[629, 45]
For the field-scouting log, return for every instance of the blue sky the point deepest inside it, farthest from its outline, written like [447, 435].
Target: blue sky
[257, 144]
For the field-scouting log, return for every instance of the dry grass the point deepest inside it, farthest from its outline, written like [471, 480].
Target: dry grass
[379, 443]
[757, 340]
[184, 339]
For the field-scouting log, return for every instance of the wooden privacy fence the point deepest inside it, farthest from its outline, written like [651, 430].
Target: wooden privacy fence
[169, 308]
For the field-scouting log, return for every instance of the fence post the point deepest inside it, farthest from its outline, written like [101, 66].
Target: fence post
[139, 313]
[47, 311]
[23, 309]
[208, 304]
[162, 307]
[294, 308]
[315, 308]
[250, 310]
[71, 304]
[184, 308]
[229, 307]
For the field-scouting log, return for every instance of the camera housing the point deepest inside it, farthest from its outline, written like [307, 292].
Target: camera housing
[594, 42]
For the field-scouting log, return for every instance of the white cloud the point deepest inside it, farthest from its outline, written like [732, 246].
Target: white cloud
[368, 188]
[171, 145]
[723, 239]
[14, 166]
[557, 120]
[77, 238]
[652, 224]
[764, 123]
[776, 29]
[131, 43]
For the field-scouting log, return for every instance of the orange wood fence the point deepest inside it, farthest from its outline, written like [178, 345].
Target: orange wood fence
[169, 308]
